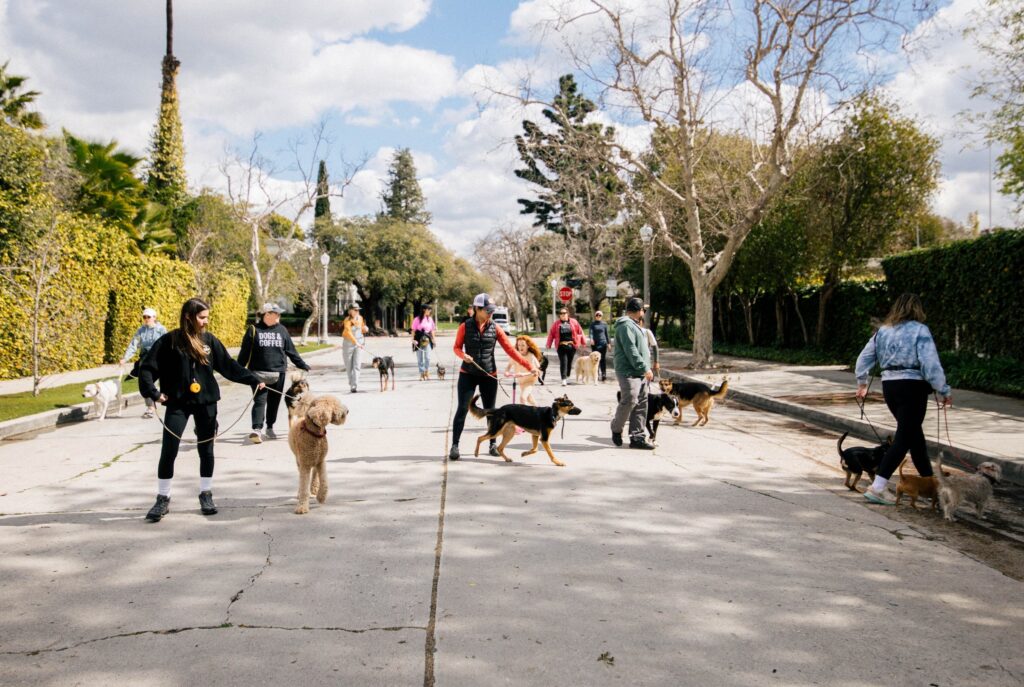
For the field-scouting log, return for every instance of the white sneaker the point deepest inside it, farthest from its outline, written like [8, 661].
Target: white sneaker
[565, 382]
[256, 438]
[148, 414]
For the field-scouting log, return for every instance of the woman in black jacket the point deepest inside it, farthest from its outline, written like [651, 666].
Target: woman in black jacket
[183, 362]
[266, 349]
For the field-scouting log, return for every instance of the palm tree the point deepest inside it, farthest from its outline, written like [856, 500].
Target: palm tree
[14, 105]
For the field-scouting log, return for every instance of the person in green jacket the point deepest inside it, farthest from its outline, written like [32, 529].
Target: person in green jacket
[633, 370]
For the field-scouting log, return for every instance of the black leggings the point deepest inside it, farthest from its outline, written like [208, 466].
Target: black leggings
[206, 426]
[261, 403]
[468, 384]
[603, 350]
[565, 356]
[907, 400]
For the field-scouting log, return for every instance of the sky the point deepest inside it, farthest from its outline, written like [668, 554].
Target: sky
[385, 74]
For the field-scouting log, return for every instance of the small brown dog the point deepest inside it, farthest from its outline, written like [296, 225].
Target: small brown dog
[957, 489]
[307, 438]
[915, 487]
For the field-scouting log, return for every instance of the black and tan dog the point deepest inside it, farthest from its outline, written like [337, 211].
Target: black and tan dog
[699, 395]
[857, 460]
[539, 422]
[296, 391]
[386, 367]
[659, 407]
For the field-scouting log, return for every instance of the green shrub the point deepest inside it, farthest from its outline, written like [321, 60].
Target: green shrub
[1000, 375]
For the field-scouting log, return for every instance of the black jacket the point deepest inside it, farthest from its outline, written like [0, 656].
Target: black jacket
[175, 371]
[265, 348]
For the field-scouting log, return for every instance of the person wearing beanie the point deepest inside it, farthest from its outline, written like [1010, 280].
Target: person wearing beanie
[142, 340]
[266, 349]
[633, 372]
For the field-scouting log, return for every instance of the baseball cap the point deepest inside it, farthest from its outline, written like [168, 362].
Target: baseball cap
[354, 306]
[634, 305]
[149, 312]
[271, 307]
[484, 301]
[598, 314]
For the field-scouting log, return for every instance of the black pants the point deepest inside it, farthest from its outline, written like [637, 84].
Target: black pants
[176, 418]
[261, 403]
[603, 350]
[565, 356]
[468, 384]
[907, 400]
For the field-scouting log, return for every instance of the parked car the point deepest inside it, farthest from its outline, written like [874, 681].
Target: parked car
[500, 318]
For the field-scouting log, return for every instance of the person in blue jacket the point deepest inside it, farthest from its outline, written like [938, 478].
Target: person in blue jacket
[905, 351]
[142, 340]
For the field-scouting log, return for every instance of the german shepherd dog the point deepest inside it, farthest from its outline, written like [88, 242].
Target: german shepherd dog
[857, 460]
[386, 367]
[699, 395]
[539, 422]
[658, 407]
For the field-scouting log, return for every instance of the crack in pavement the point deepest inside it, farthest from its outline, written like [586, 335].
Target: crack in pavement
[106, 464]
[252, 580]
[222, 626]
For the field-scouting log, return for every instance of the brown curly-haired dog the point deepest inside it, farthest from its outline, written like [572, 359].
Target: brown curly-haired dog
[307, 438]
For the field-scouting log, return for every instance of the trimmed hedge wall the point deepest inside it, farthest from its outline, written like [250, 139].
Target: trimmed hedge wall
[971, 290]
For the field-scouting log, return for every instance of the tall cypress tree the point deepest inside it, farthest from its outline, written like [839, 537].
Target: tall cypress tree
[322, 211]
[403, 198]
[166, 183]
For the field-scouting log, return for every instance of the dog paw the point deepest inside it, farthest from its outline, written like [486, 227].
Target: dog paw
[302, 509]
[322, 496]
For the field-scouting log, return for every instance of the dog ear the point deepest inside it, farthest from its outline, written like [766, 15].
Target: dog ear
[339, 413]
[319, 413]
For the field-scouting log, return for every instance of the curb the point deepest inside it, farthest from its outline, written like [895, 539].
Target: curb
[1012, 472]
[80, 411]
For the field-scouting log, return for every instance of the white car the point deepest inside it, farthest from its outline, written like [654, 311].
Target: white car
[500, 317]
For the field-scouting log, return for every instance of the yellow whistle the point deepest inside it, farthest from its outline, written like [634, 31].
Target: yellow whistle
[194, 387]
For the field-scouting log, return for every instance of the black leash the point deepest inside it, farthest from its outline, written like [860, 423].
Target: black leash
[863, 416]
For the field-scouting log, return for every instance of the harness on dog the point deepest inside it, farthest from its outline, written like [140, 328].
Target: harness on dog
[306, 429]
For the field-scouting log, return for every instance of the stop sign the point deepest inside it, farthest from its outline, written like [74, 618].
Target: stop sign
[565, 294]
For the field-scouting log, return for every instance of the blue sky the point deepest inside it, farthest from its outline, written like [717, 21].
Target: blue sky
[385, 74]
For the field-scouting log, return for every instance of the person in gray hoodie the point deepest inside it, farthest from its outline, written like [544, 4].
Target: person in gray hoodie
[266, 349]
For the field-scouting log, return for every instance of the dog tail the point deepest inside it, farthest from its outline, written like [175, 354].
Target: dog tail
[937, 465]
[475, 410]
[839, 444]
[902, 463]
[721, 390]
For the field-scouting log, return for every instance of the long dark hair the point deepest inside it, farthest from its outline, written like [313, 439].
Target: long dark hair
[187, 337]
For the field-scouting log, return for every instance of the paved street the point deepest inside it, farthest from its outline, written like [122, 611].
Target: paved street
[730, 556]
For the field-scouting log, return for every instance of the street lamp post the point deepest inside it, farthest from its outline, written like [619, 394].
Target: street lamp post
[325, 260]
[646, 235]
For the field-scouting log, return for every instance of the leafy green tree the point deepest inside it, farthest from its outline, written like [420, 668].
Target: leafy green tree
[322, 210]
[14, 102]
[21, 183]
[111, 191]
[998, 31]
[213, 240]
[167, 182]
[869, 182]
[580, 191]
[402, 197]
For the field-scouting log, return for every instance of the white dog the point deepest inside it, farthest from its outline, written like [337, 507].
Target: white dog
[587, 367]
[103, 394]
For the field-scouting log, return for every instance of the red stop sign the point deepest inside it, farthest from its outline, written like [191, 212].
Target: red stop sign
[565, 294]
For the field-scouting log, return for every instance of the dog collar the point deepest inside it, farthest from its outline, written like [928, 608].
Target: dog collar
[990, 478]
[306, 429]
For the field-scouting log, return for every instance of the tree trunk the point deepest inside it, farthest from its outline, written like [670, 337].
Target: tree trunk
[748, 317]
[800, 316]
[780, 328]
[824, 296]
[703, 318]
[313, 317]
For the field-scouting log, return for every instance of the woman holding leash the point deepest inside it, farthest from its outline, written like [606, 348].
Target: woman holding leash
[527, 377]
[905, 350]
[353, 331]
[569, 335]
[142, 340]
[266, 349]
[183, 362]
[474, 344]
[423, 328]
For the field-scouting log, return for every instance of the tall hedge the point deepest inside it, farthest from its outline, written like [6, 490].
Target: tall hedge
[971, 290]
[229, 305]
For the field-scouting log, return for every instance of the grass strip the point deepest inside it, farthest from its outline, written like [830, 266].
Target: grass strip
[24, 403]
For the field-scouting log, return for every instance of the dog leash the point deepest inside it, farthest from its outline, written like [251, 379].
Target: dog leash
[863, 415]
[218, 433]
[943, 417]
[492, 376]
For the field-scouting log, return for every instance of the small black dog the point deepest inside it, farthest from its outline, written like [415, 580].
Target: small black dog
[857, 460]
[441, 369]
[386, 367]
[543, 367]
[299, 387]
[658, 405]
[540, 422]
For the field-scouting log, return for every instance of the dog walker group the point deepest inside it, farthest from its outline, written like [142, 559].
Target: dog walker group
[177, 369]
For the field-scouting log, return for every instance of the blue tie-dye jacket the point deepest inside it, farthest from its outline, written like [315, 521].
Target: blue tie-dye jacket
[903, 351]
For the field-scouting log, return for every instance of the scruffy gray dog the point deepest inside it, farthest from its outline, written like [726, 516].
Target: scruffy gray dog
[956, 489]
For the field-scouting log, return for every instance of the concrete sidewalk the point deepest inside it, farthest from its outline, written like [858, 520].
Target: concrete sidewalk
[981, 426]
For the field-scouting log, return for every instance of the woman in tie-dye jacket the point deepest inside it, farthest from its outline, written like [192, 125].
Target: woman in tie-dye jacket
[903, 347]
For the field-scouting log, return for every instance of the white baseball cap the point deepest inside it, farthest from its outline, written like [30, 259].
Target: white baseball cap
[271, 307]
[484, 301]
[149, 312]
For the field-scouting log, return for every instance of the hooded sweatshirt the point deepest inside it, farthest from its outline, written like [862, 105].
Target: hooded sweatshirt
[267, 349]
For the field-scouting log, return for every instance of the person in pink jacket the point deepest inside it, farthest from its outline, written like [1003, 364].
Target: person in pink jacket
[567, 334]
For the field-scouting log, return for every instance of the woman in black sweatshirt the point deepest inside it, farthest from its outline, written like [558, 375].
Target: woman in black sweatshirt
[266, 349]
[183, 362]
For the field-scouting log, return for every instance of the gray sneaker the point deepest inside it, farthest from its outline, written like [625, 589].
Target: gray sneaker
[270, 433]
[454, 453]
[256, 438]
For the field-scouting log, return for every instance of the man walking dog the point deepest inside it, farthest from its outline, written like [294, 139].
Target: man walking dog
[633, 370]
